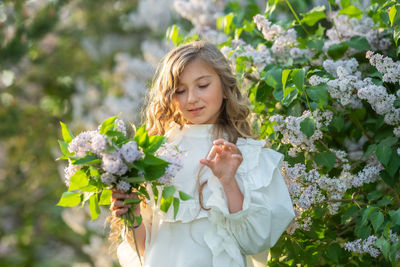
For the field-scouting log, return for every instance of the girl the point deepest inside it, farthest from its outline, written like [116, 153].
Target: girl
[241, 204]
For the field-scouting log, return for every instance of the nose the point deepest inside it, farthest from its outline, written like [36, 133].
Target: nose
[192, 96]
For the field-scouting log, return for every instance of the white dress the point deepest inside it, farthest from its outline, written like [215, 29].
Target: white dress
[216, 238]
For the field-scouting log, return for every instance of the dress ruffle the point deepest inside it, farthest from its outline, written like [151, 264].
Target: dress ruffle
[251, 230]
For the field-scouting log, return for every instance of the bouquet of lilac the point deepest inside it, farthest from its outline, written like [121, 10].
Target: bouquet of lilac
[106, 158]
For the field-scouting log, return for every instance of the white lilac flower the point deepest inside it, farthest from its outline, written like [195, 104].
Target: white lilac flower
[310, 196]
[307, 222]
[350, 65]
[69, 171]
[98, 143]
[317, 80]
[130, 151]
[120, 126]
[108, 178]
[290, 128]
[363, 246]
[369, 174]
[173, 155]
[113, 163]
[123, 185]
[81, 143]
[398, 151]
[200, 13]
[345, 27]
[386, 66]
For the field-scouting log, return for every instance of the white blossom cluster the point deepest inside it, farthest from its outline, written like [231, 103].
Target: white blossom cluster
[380, 100]
[345, 27]
[156, 15]
[260, 57]
[88, 141]
[290, 128]
[201, 13]
[386, 66]
[69, 171]
[364, 246]
[368, 245]
[172, 154]
[282, 40]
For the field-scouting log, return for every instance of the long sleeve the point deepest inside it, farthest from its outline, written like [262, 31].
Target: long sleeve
[266, 211]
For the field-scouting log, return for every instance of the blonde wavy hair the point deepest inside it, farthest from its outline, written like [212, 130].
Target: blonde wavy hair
[160, 112]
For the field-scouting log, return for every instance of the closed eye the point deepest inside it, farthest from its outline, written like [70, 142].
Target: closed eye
[204, 86]
[179, 92]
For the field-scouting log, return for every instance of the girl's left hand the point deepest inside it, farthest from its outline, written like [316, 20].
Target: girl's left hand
[224, 160]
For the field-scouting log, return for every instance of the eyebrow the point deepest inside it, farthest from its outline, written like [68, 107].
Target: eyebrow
[199, 78]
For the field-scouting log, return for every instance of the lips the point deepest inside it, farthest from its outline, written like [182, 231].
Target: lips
[195, 110]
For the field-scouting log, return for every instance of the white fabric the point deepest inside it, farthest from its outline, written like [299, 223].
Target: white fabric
[200, 238]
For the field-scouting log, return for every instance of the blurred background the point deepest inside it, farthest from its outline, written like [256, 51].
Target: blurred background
[77, 61]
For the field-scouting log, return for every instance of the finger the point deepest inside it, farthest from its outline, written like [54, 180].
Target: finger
[219, 141]
[212, 153]
[231, 147]
[207, 163]
[120, 212]
[116, 196]
[237, 156]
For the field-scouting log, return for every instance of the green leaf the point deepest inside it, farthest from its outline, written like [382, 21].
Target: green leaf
[392, 14]
[94, 172]
[155, 141]
[166, 203]
[394, 163]
[376, 218]
[176, 206]
[383, 153]
[359, 43]
[89, 159]
[70, 199]
[289, 94]
[94, 206]
[134, 201]
[135, 180]
[336, 51]
[154, 161]
[66, 133]
[152, 172]
[78, 180]
[285, 75]
[307, 126]
[319, 94]
[298, 78]
[333, 252]
[174, 35]
[314, 15]
[105, 197]
[337, 123]
[168, 191]
[106, 124]
[64, 148]
[184, 196]
[273, 78]
[351, 11]
[396, 35]
[90, 188]
[395, 216]
[141, 137]
[374, 195]
[326, 159]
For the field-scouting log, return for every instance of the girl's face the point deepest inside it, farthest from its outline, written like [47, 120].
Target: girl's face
[199, 94]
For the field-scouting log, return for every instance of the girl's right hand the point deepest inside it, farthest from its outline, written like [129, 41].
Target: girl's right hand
[118, 207]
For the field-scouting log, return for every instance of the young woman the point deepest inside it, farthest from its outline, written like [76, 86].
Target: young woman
[241, 204]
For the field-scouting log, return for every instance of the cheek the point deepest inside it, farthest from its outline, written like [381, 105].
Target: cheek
[178, 103]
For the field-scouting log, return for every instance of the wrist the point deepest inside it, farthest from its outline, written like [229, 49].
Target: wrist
[229, 186]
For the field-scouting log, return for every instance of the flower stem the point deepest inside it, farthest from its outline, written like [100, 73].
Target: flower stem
[295, 15]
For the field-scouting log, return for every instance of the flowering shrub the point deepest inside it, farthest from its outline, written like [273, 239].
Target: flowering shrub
[325, 91]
